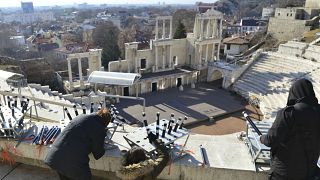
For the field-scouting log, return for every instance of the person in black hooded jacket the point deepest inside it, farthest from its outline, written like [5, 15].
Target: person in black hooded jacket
[85, 134]
[294, 137]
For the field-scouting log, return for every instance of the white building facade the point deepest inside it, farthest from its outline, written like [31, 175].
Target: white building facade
[29, 18]
[173, 62]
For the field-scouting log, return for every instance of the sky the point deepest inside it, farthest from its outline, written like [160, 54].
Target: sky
[16, 3]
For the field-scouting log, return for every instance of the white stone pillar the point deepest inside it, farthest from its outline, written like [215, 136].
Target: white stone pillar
[126, 54]
[163, 57]
[80, 73]
[201, 29]
[214, 28]
[195, 29]
[220, 29]
[170, 60]
[200, 54]
[157, 30]
[129, 60]
[218, 53]
[170, 35]
[70, 73]
[207, 52]
[137, 65]
[157, 54]
[208, 29]
[163, 29]
[99, 59]
[213, 49]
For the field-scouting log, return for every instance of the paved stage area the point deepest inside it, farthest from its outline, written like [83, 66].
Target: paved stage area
[226, 124]
[198, 104]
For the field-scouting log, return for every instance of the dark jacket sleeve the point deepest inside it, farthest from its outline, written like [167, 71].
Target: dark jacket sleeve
[97, 139]
[280, 129]
[162, 159]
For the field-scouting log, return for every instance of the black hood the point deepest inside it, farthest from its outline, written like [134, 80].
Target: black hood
[302, 91]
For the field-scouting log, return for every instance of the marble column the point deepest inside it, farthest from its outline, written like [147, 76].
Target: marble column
[200, 54]
[70, 73]
[99, 59]
[218, 53]
[201, 29]
[163, 57]
[213, 49]
[214, 28]
[170, 60]
[137, 65]
[163, 29]
[208, 29]
[126, 54]
[220, 30]
[80, 72]
[195, 28]
[157, 54]
[157, 30]
[170, 35]
[129, 60]
[207, 52]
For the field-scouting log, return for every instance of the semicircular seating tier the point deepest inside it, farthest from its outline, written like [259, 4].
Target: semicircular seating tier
[270, 77]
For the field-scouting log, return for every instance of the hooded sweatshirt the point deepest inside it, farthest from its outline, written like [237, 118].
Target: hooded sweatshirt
[294, 137]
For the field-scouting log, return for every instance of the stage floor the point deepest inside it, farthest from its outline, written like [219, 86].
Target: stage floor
[199, 104]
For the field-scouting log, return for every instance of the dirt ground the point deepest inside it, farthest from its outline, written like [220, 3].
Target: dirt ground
[226, 124]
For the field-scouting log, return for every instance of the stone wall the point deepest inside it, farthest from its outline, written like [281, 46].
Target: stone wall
[292, 48]
[284, 30]
[118, 66]
[312, 53]
[312, 3]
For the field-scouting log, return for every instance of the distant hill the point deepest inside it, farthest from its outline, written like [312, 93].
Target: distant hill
[250, 8]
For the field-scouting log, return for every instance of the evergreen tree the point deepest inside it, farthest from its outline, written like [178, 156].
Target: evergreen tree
[180, 32]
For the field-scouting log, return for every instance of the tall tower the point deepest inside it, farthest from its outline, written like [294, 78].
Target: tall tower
[27, 7]
[312, 4]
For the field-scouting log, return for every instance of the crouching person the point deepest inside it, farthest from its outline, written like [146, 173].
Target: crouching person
[136, 165]
[85, 134]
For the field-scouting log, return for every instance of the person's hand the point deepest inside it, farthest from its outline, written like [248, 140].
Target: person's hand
[159, 142]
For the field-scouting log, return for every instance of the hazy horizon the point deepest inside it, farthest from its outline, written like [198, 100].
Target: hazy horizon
[17, 3]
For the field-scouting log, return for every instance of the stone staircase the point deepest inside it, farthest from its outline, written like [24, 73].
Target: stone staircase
[55, 111]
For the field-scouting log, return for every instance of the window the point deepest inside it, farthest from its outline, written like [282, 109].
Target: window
[143, 63]
[228, 46]
[278, 14]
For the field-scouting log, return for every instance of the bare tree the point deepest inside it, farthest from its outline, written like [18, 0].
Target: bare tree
[125, 36]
